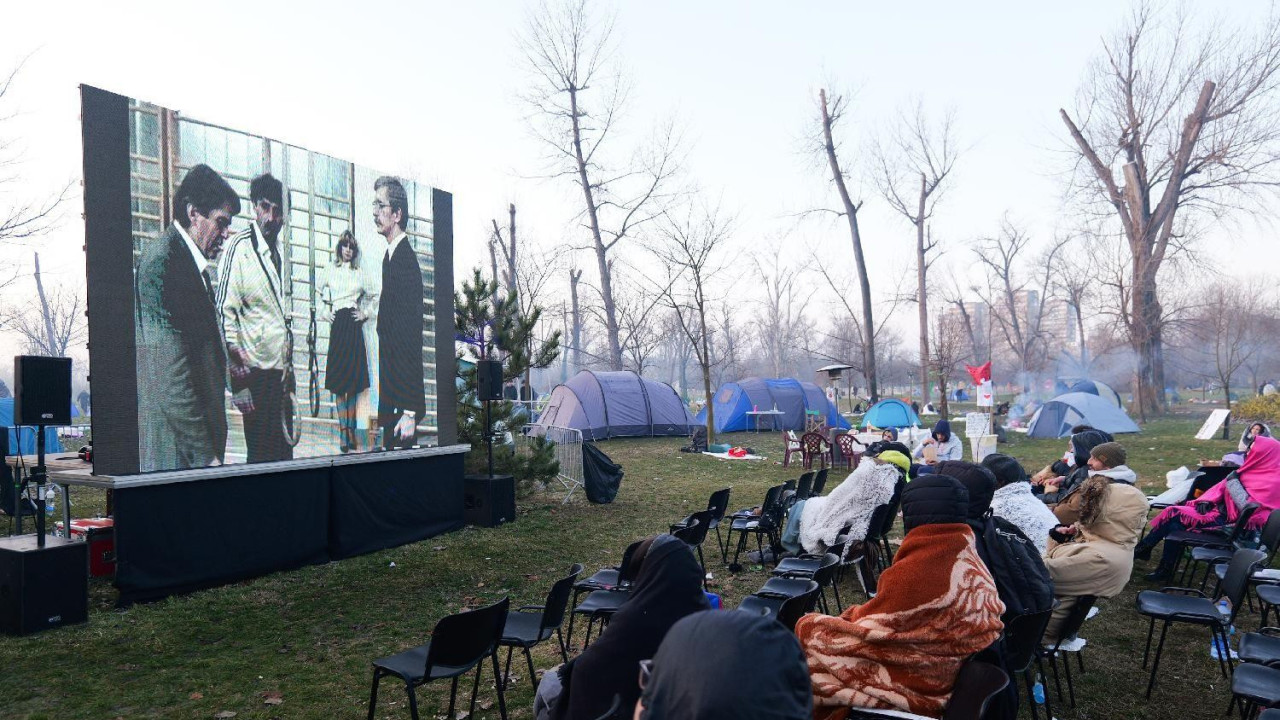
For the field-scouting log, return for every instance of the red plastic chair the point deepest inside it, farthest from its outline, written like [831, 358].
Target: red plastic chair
[813, 445]
[849, 457]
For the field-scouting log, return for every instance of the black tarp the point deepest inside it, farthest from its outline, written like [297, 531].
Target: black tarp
[600, 475]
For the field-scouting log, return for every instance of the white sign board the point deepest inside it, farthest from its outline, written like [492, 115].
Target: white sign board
[976, 424]
[986, 394]
[1211, 426]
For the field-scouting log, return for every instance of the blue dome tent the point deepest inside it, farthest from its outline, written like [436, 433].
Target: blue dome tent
[1101, 389]
[1056, 418]
[22, 440]
[792, 397]
[614, 404]
[890, 413]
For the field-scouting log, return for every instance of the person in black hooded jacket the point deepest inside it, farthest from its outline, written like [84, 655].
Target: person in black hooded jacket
[668, 587]
[727, 665]
[1081, 444]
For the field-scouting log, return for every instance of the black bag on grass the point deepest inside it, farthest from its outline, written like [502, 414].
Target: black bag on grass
[600, 475]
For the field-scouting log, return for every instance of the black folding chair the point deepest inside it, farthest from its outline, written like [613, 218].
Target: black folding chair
[786, 609]
[763, 525]
[1226, 541]
[694, 533]
[1254, 686]
[821, 569]
[1188, 605]
[458, 644]
[532, 624]
[609, 581]
[1022, 637]
[804, 486]
[819, 483]
[1269, 541]
[1071, 625]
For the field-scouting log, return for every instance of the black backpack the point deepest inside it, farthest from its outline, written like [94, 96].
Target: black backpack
[1014, 561]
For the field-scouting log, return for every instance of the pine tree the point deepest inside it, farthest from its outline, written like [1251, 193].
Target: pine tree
[494, 327]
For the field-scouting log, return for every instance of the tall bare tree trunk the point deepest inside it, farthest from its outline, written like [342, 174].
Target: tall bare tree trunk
[922, 299]
[574, 277]
[51, 342]
[602, 259]
[864, 281]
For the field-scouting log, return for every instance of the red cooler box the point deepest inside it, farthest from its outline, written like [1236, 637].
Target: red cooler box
[101, 535]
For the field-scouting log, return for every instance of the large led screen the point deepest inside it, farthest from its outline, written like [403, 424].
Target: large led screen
[283, 301]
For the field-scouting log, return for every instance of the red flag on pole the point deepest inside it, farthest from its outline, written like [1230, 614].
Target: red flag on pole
[979, 374]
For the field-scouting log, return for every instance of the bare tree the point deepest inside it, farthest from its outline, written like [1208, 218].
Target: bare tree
[575, 276]
[577, 95]
[782, 308]
[946, 357]
[1172, 124]
[830, 115]
[638, 324]
[51, 327]
[976, 334]
[690, 253]
[1017, 294]
[913, 161]
[1222, 331]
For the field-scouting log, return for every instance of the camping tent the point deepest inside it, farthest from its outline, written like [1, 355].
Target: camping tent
[1056, 417]
[614, 404]
[794, 398]
[890, 413]
[22, 441]
[1101, 389]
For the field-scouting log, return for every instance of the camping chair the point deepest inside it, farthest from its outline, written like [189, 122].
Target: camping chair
[765, 524]
[1070, 628]
[975, 685]
[849, 457]
[1213, 539]
[786, 609]
[718, 503]
[1189, 605]
[791, 446]
[694, 533]
[458, 643]
[1022, 637]
[814, 445]
[814, 422]
[532, 624]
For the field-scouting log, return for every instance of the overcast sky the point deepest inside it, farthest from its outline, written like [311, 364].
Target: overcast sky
[430, 90]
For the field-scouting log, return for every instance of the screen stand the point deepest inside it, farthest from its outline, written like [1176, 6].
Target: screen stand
[38, 474]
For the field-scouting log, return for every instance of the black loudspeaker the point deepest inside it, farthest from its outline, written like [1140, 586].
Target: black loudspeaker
[489, 379]
[489, 501]
[42, 390]
[42, 588]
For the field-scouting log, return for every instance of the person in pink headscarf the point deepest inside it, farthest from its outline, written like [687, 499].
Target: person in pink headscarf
[1256, 481]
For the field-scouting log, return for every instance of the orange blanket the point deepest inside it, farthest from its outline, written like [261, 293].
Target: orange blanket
[937, 604]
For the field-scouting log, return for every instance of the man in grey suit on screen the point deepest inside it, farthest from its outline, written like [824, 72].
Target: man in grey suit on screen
[182, 362]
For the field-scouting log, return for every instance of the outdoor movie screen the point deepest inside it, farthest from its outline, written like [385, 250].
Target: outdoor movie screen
[283, 300]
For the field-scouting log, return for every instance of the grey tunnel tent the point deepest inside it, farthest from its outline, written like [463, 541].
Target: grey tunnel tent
[1056, 417]
[615, 404]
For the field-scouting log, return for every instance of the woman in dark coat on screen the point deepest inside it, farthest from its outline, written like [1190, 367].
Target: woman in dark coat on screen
[668, 588]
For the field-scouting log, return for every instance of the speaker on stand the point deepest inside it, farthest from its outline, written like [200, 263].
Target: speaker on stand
[490, 499]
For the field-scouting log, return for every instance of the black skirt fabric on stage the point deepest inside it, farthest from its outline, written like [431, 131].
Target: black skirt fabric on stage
[347, 372]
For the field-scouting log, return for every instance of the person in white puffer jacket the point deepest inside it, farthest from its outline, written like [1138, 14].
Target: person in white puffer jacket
[1014, 501]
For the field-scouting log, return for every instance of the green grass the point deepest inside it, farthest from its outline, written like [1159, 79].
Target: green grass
[309, 635]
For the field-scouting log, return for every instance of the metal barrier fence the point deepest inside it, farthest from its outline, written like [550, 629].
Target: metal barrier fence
[568, 451]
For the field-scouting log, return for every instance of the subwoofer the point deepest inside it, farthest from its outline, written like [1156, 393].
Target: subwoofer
[42, 390]
[42, 587]
[489, 501]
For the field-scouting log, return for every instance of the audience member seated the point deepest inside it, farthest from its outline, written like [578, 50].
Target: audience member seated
[945, 444]
[850, 504]
[1014, 560]
[1056, 488]
[1094, 556]
[937, 605]
[1250, 434]
[1062, 467]
[668, 587]
[1014, 501]
[1107, 460]
[726, 665]
[1257, 480]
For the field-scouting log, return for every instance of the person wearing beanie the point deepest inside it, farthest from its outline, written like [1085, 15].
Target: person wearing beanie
[726, 665]
[937, 604]
[1014, 501]
[947, 446]
[1063, 466]
[1055, 489]
[1105, 460]
[1094, 555]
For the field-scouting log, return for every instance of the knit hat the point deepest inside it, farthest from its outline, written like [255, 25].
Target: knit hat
[1082, 443]
[933, 500]
[977, 480]
[1111, 454]
[1006, 470]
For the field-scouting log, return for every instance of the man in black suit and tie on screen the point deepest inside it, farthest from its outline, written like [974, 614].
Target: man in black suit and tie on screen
[182, 362]
[401, 396]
